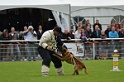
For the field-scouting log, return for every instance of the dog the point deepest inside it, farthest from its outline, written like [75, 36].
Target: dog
[71, 59]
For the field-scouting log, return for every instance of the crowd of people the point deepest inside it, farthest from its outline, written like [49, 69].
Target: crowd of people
[83, 31]
[15, 50]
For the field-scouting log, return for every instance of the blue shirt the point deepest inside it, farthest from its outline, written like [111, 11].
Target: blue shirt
[30, 36]
[113, 34]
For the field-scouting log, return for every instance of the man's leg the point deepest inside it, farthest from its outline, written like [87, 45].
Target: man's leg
[58, 65]
[18, 52]
[46, 61]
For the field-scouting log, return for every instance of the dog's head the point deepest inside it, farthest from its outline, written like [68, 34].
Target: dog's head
[64, 50]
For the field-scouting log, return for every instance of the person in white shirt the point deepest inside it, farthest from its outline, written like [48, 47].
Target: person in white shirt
[30, 37]
[77, 33]
[49, 42]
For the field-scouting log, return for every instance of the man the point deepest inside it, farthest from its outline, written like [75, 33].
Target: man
[108, 30]
[113, 33]
[4, 48]
[99, 25]
[39, 32]
[14, 45]
[96, 33]
[30, 37]
[47, 45]
[114, 43]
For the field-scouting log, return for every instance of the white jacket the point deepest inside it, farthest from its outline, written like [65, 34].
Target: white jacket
[48, 39]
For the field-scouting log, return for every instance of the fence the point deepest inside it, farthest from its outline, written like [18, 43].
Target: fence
[12, 50]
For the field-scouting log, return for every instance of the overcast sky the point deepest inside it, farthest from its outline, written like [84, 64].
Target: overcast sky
[72, 2]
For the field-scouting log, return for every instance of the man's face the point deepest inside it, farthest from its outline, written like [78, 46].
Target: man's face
[56, 33]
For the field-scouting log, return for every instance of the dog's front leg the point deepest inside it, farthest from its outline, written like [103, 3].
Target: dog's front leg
[60, 57]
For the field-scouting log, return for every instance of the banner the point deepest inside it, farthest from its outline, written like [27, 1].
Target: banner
[76, 48]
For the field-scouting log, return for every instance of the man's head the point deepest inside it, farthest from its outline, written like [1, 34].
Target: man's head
[30, 28]
[97, 21]
[12, 29]
[40, 27]
[57, 30]
[5, 31]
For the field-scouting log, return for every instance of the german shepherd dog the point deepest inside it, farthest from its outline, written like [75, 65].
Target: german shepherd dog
[71, 59]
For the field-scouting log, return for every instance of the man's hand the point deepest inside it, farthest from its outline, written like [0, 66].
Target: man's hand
[49, 48]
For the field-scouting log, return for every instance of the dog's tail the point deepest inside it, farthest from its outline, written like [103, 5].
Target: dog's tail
[85, 70]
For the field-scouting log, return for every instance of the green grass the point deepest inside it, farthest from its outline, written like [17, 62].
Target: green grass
[99, 71]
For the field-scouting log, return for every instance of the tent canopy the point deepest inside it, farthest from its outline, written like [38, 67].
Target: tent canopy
[60, 8]
[77, 8]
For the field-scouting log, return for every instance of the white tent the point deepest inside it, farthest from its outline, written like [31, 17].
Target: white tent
[57, 10]
[105, 14]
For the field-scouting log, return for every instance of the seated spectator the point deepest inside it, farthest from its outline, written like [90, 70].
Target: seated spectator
[108, 30]
[120, 32]
[103, 35]
[83, 36]
[113, 33]
[77, 33]
[117, 26]
[96, 33]
[113, 44]
[66, 35]
[80, 24]
[88, 32]
[71, 34]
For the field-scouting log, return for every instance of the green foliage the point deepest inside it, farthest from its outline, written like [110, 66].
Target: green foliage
[99, 71]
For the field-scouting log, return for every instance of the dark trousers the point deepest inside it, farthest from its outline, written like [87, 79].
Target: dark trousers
[47, 57]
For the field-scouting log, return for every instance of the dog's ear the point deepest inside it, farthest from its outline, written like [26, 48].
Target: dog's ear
[64, 46]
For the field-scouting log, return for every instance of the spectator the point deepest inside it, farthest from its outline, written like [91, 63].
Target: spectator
[120, 33]
[25, 30]
[39, 32]
[80, 24]
[14, 45]
[66, 35]
[103, 49]
[71, 34]
[117, 26]
[103, 35]
[88, 32]
[21, 37]
[108, 30]
[30, 37]
[87, 24]
[77, 33]
[83, 36]
[96, 33]
[99, 25]
[113, 33]
[5, 48]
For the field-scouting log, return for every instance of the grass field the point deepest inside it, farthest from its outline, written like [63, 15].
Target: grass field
[99, 71]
